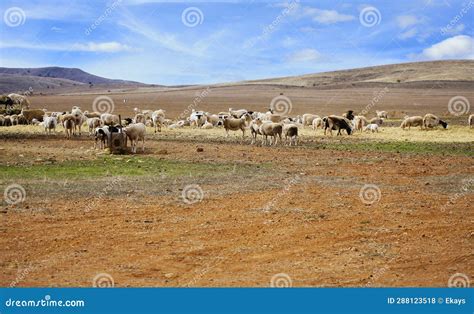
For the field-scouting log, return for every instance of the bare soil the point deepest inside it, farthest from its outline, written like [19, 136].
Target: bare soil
[270, 210]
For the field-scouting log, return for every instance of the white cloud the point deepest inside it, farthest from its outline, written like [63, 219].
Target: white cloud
[404, 21]
[111, 46]
[305, 55]
[326, 16]
[108, 47]
[408, 34]
[457, 47]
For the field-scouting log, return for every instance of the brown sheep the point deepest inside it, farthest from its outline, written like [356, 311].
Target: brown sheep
[232, 124]
[31, 114]
[337, 123]
[69, 124]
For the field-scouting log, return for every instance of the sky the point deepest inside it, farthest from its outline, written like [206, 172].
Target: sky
[204, 42]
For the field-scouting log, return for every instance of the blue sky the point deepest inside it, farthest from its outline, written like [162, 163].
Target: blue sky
[200, 42]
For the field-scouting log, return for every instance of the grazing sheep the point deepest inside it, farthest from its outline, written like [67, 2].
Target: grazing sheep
[349, 115]
[207, 125]
[273, 117]
[381, 114]
[178, 124]
[20, 100]
[237, 113]
[376, 120]
[6, 101]
[470, 121]
[158, 119]
[79, 118]
[431, 121]
[308, 118]
[101, 135]
[68, 122]
[254, 127]
[337, 123]
[136, 132]
[271, 129]
[291, 132]
[359, 123]
[49, 124]
[233, 124]
[317, 123]
[31, 114]
[7, 121]
[197, 118]
[93, 123]
[126, 121]
[93, 114]
[22, 120]
[412, 122]
[109, 119]
[14, 118]
[139, 118]
[372, 128]
[214, 119]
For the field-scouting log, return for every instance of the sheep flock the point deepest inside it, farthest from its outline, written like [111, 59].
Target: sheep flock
[272, 128]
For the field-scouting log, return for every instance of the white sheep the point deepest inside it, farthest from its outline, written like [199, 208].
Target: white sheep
[308, 119]
[93, 123]
[158, 119]
[79, 118]
[207, 125]
[109, 119]
[50, 123]
[136, 132]
[317, 123]
[373, 127]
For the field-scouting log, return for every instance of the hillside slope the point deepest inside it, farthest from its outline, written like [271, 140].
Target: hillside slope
[452, 70]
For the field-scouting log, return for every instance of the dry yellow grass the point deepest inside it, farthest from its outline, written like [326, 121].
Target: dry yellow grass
[454, 134]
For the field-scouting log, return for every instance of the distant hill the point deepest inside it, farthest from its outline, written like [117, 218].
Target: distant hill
[404, 73]
[410, 75]
[21, 79]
